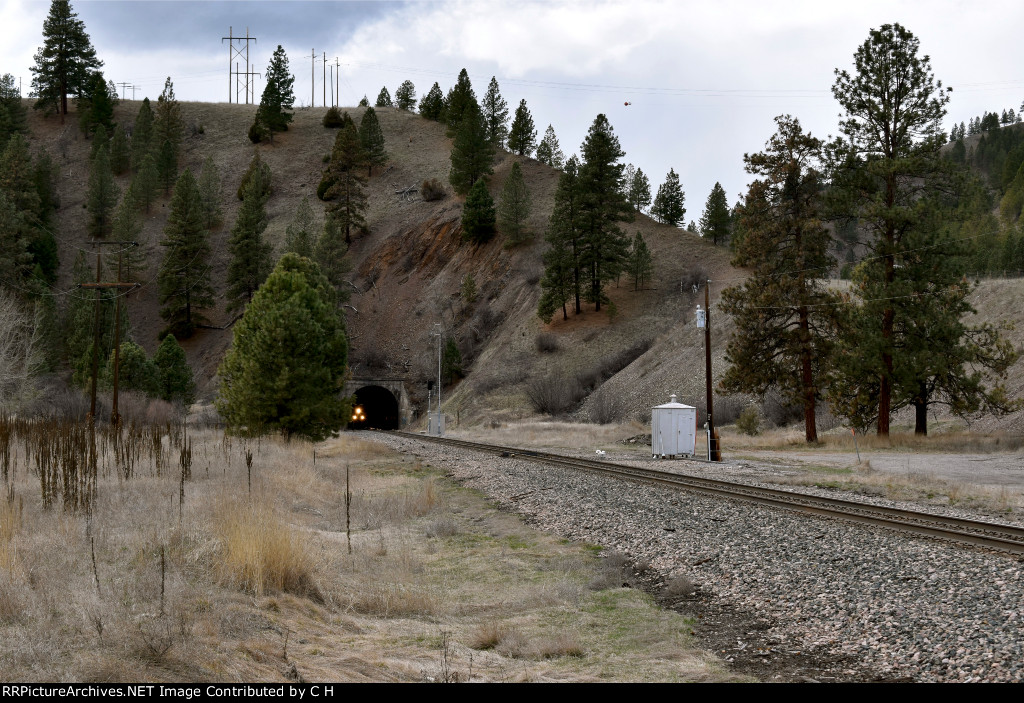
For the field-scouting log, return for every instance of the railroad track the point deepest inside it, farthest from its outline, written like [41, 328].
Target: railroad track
[973, 532]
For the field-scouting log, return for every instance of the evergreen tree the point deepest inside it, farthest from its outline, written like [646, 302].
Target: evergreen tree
[432, 104]
[119, 153]
[127, 228]
[522, 137]
[668, 203]
[184, 277]
[563, 271]
[451, 360]
[495, 111]
[258, 172]
[173, 372]
[716, 221]
[384, 98]
[548, 151]
[278, 98]
[784, 313]
[142, 135]
[136, 371]
[888, 162]
[287, 363]
[639, 194]
[330, 255]
[15, 236]
[640, 265]
[95, 105]
[602, 207]
[364, 102]
[64, 61]
[209, 192]
[168, 131]
[348, 199]
[144, 184]
[12, 113]
[250, 255]
[102, 196]
[472, 153]
[20, 212]
[405, 96]
[514, 208]
[458, 102]
[478, 215]
[299, 237]
[371, 138]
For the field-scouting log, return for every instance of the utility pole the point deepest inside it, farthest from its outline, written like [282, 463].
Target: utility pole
[325, 79]
[337, 86]
[312, 78]
[250, 72]
[704, 320]
[127, 85]
[118, 286]
[235, 52]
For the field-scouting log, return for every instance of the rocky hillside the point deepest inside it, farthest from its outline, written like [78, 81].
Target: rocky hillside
[409, 267]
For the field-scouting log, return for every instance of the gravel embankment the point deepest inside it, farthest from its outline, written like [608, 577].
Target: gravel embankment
[905, 607]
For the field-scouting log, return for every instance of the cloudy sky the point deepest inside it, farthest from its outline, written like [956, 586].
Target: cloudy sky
[703, 79]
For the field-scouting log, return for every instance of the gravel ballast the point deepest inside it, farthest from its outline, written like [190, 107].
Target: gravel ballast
[899, 606]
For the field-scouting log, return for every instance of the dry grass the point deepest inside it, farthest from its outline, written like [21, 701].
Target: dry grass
[204, 580]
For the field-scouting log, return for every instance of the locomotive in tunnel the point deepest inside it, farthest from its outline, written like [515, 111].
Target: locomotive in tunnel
[375, 408]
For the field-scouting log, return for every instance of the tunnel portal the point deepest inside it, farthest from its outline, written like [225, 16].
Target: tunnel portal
[375, 408]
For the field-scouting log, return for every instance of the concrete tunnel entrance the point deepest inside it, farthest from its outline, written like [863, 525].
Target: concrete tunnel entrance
[379, 409]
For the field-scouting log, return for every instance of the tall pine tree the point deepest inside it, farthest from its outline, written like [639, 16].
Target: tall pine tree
[563, 273]
[250, 255]
[405, 96]
[346, 195]
[514, 208]
[184, 279]
[472, 153]
[668, 207]
[548, 151]
[371, 138]
[495, 111]
[64, 61]
[716, 220]
[522, 136]
[278, 98]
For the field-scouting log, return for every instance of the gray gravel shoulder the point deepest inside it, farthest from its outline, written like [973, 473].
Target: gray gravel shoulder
[897, 606]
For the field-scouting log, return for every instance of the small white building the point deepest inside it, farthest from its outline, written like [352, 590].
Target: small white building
[673, 429]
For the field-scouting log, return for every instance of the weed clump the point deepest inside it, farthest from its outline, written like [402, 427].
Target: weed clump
[749, 421]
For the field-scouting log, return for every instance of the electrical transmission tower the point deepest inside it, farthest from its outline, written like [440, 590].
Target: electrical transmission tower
[238, 51]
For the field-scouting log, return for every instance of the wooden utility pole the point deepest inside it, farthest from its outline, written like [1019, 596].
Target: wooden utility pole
[714, 451]
[312, 79]
[337, 86]
[325, 79]
[98, 285]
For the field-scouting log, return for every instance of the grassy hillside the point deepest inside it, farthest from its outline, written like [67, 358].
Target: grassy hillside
[408, 270]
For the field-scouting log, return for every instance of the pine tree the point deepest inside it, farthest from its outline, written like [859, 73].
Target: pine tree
[548, 151]
[522, 136]
[209, 192]
[563, 271]
[890, 161]
[371, 138]
[288, 359]
[15, 236]
[136, 371]
[102, 196]
[13, 119]
[405, 96]
[495, 111]
[478, 216]
[142, 135]
[127, 229]
[144, 184]
[514, 208]
[458, 102]
[451, 360]
[330, 255]
[602, 207]
[472, 154]
[250, 255]
[716, 221]
[259, 172]
[64, 61]
[639, 195]
[384, 98]
[168, 131]
[95, 105]
[432, 104]
[119, 153]
[668, 206]
[174, 375]
[299, 237]
[364, 102]
[184, 278]
[348, 199]
[640, 265]
[784, 313]
[278, 98]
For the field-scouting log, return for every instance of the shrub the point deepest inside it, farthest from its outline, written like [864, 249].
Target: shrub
[547, 343]
[554, 396]
[749, 421]
[333, 118]
[605, 408]
[697, 276]
[432, 189]
[258, 133]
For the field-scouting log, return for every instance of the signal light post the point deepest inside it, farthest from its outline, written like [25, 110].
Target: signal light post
[704, 320]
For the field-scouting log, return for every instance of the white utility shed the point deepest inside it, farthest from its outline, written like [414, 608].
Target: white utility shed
[673, 429]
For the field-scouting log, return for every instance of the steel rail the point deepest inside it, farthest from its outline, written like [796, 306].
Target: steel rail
[989, 535]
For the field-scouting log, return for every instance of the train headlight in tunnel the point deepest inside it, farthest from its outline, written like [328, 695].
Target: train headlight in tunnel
[358, 415]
